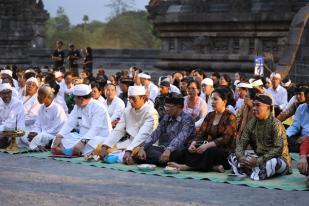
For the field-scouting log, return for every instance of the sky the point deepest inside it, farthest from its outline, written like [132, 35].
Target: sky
[76, 9]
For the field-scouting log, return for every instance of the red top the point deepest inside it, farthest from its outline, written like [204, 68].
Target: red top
[304, 147]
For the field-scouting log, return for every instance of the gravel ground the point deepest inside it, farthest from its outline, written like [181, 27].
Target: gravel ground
[45, 182]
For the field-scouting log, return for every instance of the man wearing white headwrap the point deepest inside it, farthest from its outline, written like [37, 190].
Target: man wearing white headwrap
[11, 109]
[280, 95]
[90, 122]
[151, 88]
[49, 121]
[30, 102]
[242, 90]
[138, 121]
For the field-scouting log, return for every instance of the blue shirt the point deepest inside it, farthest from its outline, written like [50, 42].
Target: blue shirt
[301, 122]
[173, 133]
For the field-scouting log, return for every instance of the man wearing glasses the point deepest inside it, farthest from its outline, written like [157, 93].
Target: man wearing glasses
[266, 135]
[136, 124]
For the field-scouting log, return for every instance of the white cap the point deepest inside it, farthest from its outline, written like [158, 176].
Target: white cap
[33, 79]
[257, 83]
[236, 82]
[244, 85]
[5, 86]
[81, 90]
[144, 76]
[58, 74]
[275, 75]
[136, 91]
[7, 71]
[207, 81]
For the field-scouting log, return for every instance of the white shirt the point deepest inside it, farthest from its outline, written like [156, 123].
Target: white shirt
[153, 91]
[280, 96]
[199, 111]
[102, 101]
[31, 109]
[12, 115]
[63, 90]
[59, 100]
[239, 103]
[91, 121]
[50, 119]
[116, 108]
[175, 89]
[209, 106]
[139, 124]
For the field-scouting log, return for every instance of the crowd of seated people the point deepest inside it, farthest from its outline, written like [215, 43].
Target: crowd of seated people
[189, 120]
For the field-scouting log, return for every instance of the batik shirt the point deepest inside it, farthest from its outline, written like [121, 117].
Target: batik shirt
[173, 133]
[267, 138]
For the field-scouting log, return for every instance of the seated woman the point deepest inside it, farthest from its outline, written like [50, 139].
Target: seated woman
[245, 113]
[266, 135]
[195, 105]
[215, 140]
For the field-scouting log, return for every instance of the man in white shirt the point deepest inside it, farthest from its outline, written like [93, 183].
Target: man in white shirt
[30, 102]
[280, 95]
[242, 90]
[49, 122]
[151, 88]
[137, 123]
[90, 122]
[115, 106]
[12, 111]
[207, 89]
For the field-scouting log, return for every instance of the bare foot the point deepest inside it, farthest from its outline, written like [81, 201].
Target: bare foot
[181, 167]
[218, 168]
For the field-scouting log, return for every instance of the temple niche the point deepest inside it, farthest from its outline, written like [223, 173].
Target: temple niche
[22, 26]
[222, 35]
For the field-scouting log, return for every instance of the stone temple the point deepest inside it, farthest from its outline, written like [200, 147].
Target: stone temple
[227, 35]
[22, 25]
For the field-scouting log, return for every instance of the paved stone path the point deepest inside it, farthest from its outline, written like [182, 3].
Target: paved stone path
[30, 181]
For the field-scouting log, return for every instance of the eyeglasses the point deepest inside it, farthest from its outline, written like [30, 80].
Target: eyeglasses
[133, 98]
[191, 88]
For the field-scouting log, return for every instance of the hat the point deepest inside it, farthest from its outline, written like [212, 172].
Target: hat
[207, 81]
[265, 99]
[58, 74]
[236, 82]
[5, 86]
[257, 83]
[7, 71]
[81, 90]
[286, 82]
[136, 91]
[175, 99]
[165, 84]
[244, 85]
[33, 79]
[275, 75]
[144, 76]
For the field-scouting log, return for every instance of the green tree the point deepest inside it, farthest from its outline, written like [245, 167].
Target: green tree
[120, 6]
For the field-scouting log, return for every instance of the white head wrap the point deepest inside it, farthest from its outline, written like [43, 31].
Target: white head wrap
[144, 76]
[33, 79]
[5, 86]
[7, 71]
[81, 90]
[207, 81]
[136, 90]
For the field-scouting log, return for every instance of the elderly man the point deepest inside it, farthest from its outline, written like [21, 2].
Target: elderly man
[115, 106]
[299, 130]
[207, 89]
[136, 124]
[173, 134]
[87, 126]
[303, 162]
[50, 119]
[266, 135]
[279, 93]
[151, 88]
[30, 102]
[12, 112]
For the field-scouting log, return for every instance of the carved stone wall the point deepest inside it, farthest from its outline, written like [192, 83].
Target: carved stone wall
[223, 35]
[21, 25]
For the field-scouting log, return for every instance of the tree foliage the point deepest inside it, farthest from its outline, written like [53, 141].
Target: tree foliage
[128, 30]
